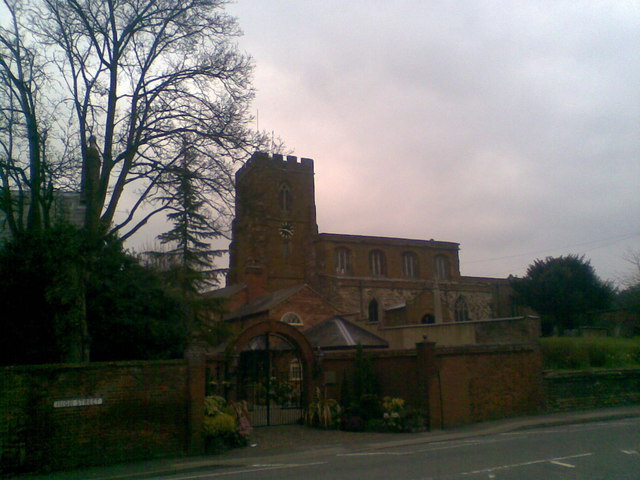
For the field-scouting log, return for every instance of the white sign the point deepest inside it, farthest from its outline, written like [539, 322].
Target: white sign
[77, 402]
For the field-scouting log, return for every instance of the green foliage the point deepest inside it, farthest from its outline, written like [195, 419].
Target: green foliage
[595, 352]
[128, 313]
[365, 381]
[323, 412]
[214, 405]
[225, 425]
[563, 290]
[220, 424]
[38, 294]
[629, 299]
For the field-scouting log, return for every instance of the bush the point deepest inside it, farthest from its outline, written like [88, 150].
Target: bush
[222, 424]
[561, 353]
[225, 425]
[323, 412]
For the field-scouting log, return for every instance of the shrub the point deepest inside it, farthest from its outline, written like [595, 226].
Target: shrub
[225, 425]
[323, 412]
[222, 424]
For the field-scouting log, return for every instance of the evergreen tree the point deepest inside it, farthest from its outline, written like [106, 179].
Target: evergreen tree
[188, 264]
[563, 290]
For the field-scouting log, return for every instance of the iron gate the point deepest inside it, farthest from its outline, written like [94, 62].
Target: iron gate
[270, 379]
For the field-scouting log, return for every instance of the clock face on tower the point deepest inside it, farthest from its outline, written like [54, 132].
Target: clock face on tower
[286, 230]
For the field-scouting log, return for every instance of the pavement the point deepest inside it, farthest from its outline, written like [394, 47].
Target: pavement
[284, 444]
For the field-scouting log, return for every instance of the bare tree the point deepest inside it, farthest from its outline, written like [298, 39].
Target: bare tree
[25, 194]
[114, 86]
[135, 75]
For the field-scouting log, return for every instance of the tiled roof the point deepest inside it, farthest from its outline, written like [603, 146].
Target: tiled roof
[337, 333]
[264, 303]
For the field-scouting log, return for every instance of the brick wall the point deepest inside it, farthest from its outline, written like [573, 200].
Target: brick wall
[458, 385]
[64, 416]
[396, 371]
[591, 389]
[486, 382]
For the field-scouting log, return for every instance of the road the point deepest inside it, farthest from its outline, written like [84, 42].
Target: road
[604, 450]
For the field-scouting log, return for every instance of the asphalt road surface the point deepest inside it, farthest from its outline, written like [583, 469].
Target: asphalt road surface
[604, 450]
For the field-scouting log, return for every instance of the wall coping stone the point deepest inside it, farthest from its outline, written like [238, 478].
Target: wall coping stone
[93, 365]
[608, 372]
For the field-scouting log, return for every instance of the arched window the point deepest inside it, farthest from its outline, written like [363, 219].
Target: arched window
[295, 370]
[377, 263]
[373, 311]
[285, 197]
[409, 265]
[461, 310]
[442, 267]
[428, 319]
[343, 261]
[292, 319]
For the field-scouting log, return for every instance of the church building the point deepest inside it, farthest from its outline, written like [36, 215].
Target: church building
[401, 290]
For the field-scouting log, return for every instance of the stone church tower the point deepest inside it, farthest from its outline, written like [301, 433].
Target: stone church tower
[275, 224]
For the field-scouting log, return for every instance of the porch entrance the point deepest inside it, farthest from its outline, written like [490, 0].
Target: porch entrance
[272, 371]
[270, 378]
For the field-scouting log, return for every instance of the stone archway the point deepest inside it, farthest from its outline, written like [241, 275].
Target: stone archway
[255, 354]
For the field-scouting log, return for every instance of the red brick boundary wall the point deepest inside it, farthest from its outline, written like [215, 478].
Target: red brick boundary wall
[575, 390]
[455, 385]
[65, 416]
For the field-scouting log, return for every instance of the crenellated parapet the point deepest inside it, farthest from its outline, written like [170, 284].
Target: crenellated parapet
[290, 163]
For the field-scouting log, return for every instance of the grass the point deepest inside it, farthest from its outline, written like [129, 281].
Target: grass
[562, 353]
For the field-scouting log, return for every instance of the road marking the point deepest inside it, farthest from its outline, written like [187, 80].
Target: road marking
[525, 464]
[531, 432]
[568, 465]
[252, 468]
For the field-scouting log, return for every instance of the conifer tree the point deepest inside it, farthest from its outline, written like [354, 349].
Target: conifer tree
[188, 264]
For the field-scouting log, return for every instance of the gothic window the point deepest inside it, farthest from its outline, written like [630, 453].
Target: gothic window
[409, 265]
[292, 319]
[285, 198]
[442, 267]
[428, 319]
[461, 310]
[377, 264]
[373, 311]
[343, 261]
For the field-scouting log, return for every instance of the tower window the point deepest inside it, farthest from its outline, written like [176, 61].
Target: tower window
[377, 263]
[409, 265]
[442, 267]
[343, 261]
[373, 311]
[285, 197]
[461, 310]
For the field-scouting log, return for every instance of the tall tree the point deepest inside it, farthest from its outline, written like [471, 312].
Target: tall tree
[114, 86]
[188, 263]
[190, 257]
[562, 290]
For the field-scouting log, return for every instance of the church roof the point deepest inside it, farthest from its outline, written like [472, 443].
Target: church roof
[264, 303]
[336, 333]
[226, 292]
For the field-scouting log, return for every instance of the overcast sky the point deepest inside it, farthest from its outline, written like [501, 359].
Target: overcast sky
[510, 127]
